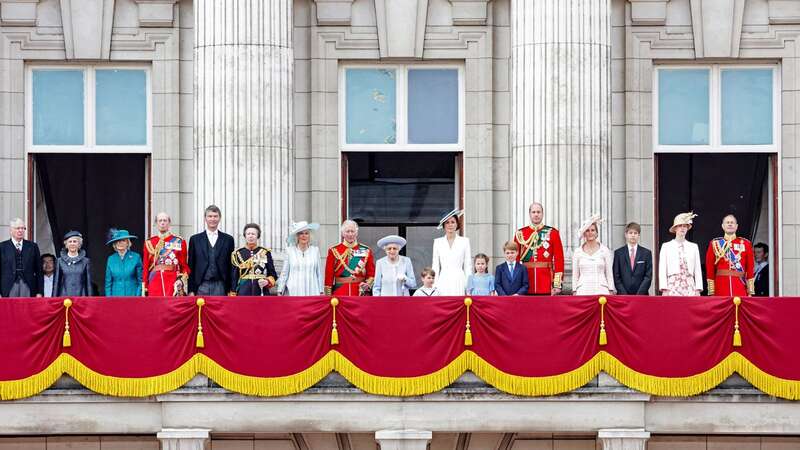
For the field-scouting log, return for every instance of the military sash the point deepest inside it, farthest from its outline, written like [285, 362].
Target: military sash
[352, 262]
[724, 249]
[531, 245]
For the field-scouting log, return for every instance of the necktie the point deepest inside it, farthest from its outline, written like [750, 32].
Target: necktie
[19, 246]
[633, 257]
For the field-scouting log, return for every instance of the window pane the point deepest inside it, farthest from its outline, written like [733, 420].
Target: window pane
[433, 106]
[747, 107]
[683, 107]
[57, 107]
[121, 105]
[371, 106]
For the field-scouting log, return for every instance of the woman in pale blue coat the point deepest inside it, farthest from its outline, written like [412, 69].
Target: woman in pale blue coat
[124, 267]
[394, 275]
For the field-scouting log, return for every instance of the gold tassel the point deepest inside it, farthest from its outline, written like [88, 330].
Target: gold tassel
[334, 331]
[200, 341]
[737, 336]
[66, 341]
[468, 333]
[603, 338]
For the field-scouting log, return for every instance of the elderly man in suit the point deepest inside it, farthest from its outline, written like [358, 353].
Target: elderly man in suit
[210, 258]
[511, 277]
[633, 264]
[20, 264]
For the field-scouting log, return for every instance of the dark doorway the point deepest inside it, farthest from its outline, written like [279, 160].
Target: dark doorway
[91, 194]
[713, 186]
[403, 193]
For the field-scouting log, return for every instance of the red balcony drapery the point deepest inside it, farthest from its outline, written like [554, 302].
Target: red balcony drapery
[398, 346]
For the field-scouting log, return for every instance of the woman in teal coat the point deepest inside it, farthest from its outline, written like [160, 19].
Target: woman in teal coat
[124, 268]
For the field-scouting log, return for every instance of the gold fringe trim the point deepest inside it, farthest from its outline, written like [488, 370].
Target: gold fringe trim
[401, 387]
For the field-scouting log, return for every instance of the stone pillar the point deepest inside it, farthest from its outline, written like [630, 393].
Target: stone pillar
[561, 112]
[403, 439]
[243, 114]
[184, 438]
[623, 439]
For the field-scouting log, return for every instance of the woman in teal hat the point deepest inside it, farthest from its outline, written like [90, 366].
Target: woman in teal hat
[124, 268]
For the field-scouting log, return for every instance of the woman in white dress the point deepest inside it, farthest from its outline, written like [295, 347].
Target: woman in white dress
[394, 274]
[592, 262]
[301, 274]
[451, 257]
[679, 265]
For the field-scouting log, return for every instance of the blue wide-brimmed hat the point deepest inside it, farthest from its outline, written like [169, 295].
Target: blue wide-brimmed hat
[392, 239]
[118, 235]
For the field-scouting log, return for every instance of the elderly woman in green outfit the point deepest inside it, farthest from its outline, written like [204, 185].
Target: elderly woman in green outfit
[124, 267]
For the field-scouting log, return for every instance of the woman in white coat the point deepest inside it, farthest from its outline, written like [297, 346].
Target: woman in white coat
[394, 274]
[679, 265]
[451, 256]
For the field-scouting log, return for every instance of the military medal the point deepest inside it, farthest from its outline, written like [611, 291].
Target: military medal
[545, 254]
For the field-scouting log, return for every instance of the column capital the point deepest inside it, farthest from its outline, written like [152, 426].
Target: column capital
[623, 438]
[184, 438]
[403, 439]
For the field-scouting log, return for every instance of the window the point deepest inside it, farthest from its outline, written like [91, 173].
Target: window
[98, 109]
[416, 107]
[716, 108]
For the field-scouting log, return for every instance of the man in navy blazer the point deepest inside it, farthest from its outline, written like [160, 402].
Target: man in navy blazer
[210, 258]
[511, 277]
[633, 264]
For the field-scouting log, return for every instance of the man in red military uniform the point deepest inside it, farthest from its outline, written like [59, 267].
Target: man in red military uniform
[165, 271]
[540, 251]
[350, 266]
[730, 264]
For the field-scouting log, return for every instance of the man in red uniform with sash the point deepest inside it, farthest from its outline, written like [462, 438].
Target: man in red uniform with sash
[350, 266]
[165, 271]
[730, 262]
[540, 251]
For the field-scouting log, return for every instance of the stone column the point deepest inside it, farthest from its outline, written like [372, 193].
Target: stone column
[243, 62]
[403, 439]
[623, 439]
[561, 112]
[184, 438]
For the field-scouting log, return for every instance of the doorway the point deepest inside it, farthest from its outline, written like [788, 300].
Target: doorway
[713, 186]
[402, 193]
[91, 194]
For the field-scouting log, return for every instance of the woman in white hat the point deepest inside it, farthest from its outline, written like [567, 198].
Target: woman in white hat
[394, 274]
[679, 265]
[301, 274]
[451, 256]
[592, 262]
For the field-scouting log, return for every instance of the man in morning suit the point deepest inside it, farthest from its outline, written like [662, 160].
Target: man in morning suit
[20, 264]
[210, 258]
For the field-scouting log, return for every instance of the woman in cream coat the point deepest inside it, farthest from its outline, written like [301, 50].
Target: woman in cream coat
[679, 265]
[451, 257]
[592, 262]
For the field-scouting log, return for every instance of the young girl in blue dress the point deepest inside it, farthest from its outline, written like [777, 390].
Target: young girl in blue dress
[481, 282]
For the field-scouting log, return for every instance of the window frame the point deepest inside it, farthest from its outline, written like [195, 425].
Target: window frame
[401, 112]
[715, 111]
[89, 112]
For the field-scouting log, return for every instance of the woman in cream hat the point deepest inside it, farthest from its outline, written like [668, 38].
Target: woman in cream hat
[679, 264]
[592, 262]
[301, 274]
[394, 274]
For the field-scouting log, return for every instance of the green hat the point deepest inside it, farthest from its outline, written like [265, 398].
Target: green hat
[118, 235]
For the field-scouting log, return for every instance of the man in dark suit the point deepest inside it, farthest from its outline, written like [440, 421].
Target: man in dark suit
[210, 258]
[633, 264]
[20, 265]
[511, 277]
[761, 253]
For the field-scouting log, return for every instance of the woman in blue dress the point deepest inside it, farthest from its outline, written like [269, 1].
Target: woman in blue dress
[124, 267]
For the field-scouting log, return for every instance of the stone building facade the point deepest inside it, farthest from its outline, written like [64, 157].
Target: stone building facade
[634, 109]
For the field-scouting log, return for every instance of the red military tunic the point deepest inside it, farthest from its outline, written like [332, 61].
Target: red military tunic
[730, 266]
[540, 250]
[164, 262]
[346, 267]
